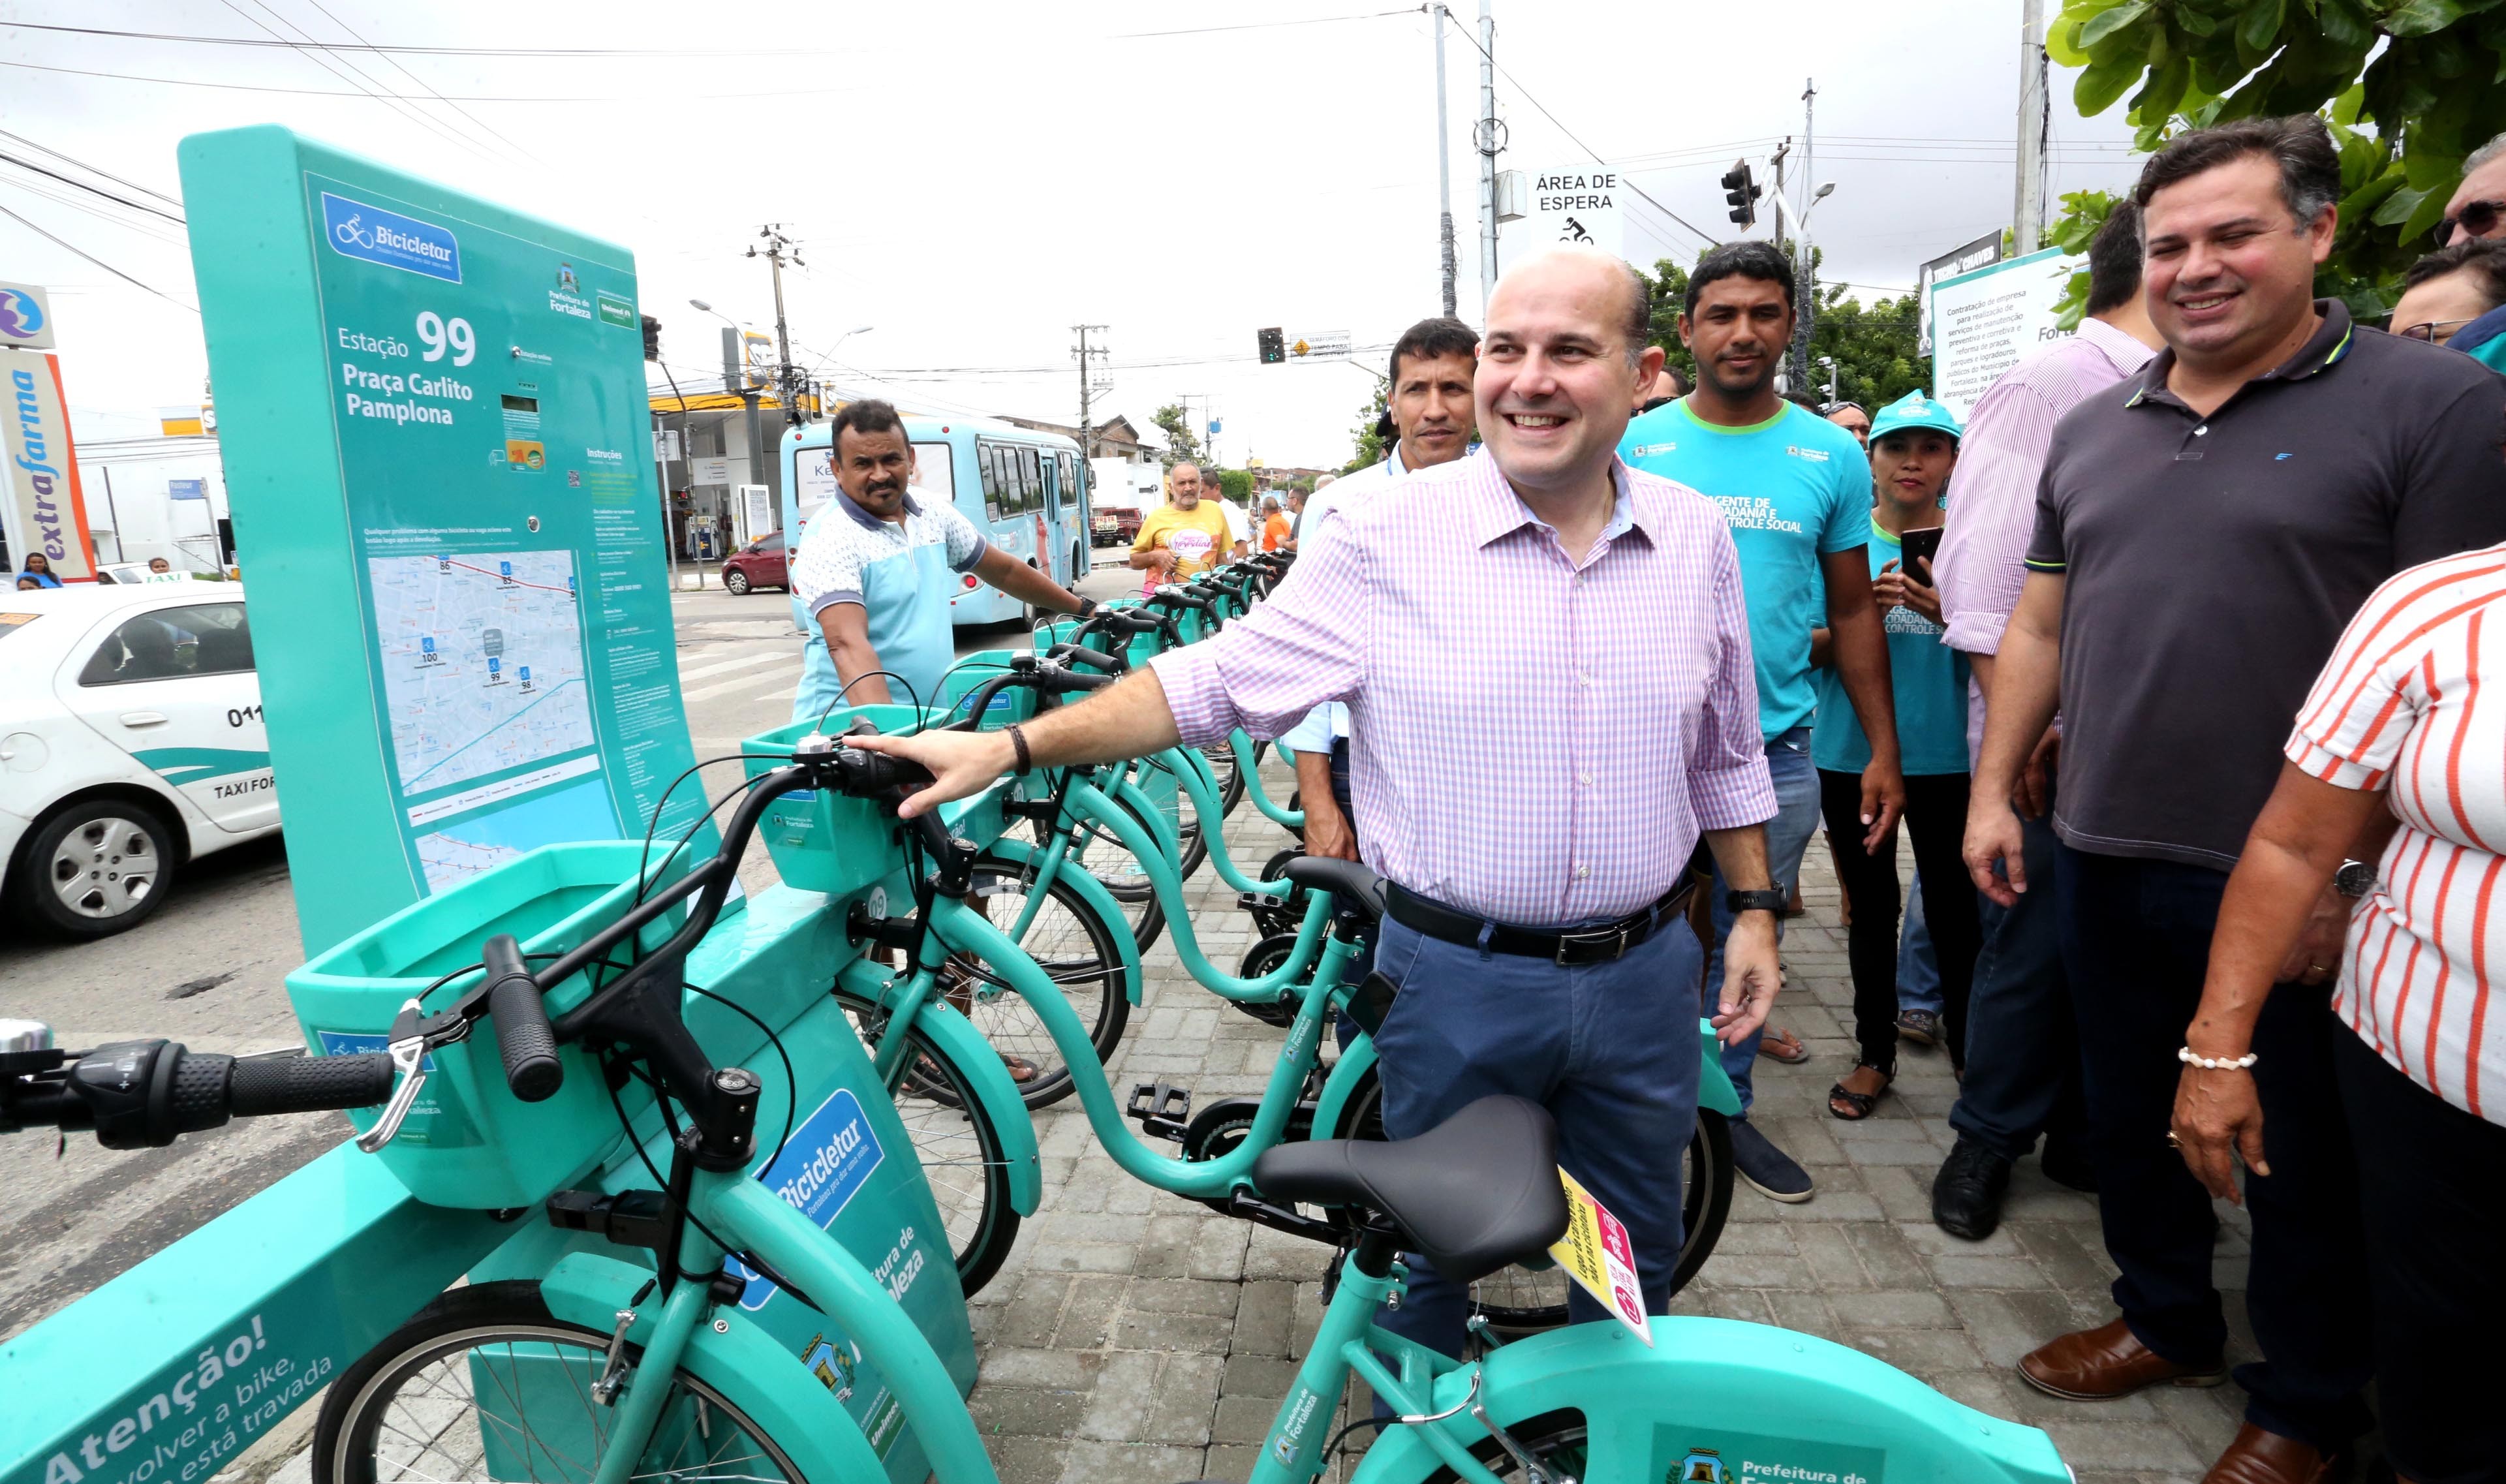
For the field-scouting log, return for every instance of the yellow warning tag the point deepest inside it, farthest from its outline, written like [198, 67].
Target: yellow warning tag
[1597, 1253]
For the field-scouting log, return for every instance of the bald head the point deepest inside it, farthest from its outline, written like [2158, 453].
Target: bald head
[1627, 297]
[1559, 371]
[1183, 485]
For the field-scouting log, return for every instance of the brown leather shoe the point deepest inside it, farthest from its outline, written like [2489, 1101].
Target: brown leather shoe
[2258, 1457]
[2105, 1362]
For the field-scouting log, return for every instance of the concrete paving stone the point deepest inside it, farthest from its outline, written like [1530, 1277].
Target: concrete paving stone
[1182, 1295]
[1243, 1420]
[1081, 1257]
[2007, 1324]
[1165, 1241]
[1264, 1315]
[1904, 1192]
[1062, 1369]
[1189, 1334]
[1185, 1401]
[1087, 1317]
[1932, 1242]
[1886, 1254]
[1118, 1410]
[1833, 1263]
[1027, 1411]
[1306, 1319]
[1027, 1459]
[1894, 1309]
[1958, 1272]
[1917, 1350]
[1134, 1198]
[1053, 1225]
[1755, 1238]
[1741, 1270]
[1808, 1313]
[1028, 1320]
[2118, 1445]
[1218, 1249]
[2068, 1252]
[1919, 1154]
[1257, 1375]
[1101, 1462]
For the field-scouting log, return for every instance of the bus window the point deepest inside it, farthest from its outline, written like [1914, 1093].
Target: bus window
[1069, 483]
[935, 479]
[1034, 476]
[988, 457]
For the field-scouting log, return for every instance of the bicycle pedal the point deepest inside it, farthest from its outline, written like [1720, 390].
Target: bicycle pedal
[1162, 1109]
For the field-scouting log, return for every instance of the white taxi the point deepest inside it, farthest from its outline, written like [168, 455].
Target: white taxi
[130, 742]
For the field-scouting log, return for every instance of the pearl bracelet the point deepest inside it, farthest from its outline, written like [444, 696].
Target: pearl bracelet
[2243, 1063]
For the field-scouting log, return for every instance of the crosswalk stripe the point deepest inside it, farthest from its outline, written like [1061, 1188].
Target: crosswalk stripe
[737, 662]
[732, 684]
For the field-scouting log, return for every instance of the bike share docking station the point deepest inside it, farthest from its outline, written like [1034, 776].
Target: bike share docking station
[436, 436]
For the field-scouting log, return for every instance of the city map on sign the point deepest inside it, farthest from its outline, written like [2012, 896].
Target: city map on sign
[483, 665]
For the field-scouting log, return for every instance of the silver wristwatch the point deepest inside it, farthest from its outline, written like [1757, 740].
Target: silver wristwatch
[2355, 879]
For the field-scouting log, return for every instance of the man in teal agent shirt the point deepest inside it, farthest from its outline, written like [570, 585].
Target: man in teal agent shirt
[1796, 491]
[876, 570]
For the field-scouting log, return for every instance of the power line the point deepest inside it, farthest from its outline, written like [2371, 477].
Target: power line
[29, 164]
[358, 81]
[92, 258]
[1261, 25]
[172, 201]
[422, 82]
[1700, 234]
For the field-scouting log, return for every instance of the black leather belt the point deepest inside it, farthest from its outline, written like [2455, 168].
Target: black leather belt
[1601, 943]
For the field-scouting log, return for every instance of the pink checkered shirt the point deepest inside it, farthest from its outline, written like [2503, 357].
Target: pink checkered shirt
[1534, 741]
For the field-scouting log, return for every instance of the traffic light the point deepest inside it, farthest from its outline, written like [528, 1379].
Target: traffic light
[652, 338]
[1741, 190]
[1274, 346]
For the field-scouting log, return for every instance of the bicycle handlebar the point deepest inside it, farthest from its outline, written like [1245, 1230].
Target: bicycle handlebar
[1182, 599]
[142, 1095]
[522, 1034]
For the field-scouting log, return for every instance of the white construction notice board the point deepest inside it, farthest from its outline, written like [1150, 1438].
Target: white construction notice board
[1987, 321]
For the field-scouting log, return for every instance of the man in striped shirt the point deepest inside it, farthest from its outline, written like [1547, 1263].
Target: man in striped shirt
[1546, 659]
[2204, 531]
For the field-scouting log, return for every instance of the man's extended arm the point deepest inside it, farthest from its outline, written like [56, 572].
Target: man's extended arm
[1023, 582]
[1860, 647]
[2026, 683]
[846, 627]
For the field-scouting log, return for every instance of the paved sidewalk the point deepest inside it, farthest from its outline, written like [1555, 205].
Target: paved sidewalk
[1137, 1336]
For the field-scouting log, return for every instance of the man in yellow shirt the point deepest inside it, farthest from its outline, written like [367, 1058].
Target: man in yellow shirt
[1183, 537]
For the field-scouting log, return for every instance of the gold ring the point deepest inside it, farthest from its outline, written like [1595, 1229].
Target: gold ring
[2173, 1142]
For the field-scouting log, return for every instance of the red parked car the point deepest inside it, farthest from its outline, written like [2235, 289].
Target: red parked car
[758, 564]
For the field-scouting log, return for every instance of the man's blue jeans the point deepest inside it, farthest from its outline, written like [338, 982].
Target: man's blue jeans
[1610, 1049]
[2022, 1051]
[1919, 968]
[1787, 838]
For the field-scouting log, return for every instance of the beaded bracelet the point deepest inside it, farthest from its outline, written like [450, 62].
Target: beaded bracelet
[2243, 1063]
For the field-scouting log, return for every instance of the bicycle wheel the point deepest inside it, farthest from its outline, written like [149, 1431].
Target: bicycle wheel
[954, 1138]
[1556, 1440]
[1229, 778]
[486, 1383]
[1263, 957]
[1077, 949]
[1521, 1300]
[1104, 855]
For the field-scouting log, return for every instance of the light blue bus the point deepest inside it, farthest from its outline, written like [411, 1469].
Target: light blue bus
[1023, 490]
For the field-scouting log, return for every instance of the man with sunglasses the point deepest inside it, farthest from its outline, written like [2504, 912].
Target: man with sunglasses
[2449, 288]
[2478, 208]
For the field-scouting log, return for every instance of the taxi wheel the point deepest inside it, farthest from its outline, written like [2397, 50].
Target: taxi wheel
[96, 868]
[736, 583]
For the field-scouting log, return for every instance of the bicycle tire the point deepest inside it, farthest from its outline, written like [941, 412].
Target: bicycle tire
[1259, 960]
[1130, 887]
[1558, 1440]
[1089, 971]
[968, 1176]
[1518, 1300]
[356, 1439]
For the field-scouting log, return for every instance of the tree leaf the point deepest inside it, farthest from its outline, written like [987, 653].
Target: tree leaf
[2103, 83]
[2423, 222]
[2422, 18]
[2259, 27]
[2165, 88]
[2399, 206]
[2194, 24]
[2115, 19]
[2344, 108]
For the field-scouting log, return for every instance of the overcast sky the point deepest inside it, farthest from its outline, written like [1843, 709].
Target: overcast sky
[972, 179]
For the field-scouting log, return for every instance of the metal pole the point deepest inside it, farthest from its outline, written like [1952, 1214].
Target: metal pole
[2027, 210]
[1488, 154]
[1437, 14]
[1808, 321]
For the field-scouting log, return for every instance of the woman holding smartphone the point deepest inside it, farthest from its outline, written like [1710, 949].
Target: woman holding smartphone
[1914, 447]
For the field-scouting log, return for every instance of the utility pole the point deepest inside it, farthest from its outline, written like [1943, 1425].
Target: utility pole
[786, 375]
[1806, 276]
[1437, 15]
[2027, 211]
[1082, 353]
[1486, 136]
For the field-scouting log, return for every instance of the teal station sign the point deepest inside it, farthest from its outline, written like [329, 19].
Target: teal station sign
[436, 437]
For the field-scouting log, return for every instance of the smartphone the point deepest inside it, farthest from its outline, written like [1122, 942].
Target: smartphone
[1925, 543]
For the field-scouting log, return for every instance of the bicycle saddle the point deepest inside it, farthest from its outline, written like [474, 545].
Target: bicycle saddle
[1350, 881]
[1474, 1193]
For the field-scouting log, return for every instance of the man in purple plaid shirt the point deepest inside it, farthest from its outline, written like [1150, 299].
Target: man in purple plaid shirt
[1546, 658]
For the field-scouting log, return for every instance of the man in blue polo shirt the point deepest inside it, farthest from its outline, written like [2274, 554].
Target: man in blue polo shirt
[878, 568]
[1796, 491]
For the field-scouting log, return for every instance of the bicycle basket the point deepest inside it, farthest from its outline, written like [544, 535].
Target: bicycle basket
[824, 842]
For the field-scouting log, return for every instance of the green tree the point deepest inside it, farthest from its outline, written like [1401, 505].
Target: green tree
[1371, 443]
[2403, 121]
[1874, 347]
[1236, 484]
[1175, 422]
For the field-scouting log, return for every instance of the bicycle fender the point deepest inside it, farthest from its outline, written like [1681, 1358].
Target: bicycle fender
[1099, 901]
[1714, 1088]
[1764, 1402]
[737, 1359]
[1348, 1076]
[980, 1063]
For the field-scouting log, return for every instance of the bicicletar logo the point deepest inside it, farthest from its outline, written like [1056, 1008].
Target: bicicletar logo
[21, 316]
[368, 232]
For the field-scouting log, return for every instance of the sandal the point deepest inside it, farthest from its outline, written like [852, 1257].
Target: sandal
[1861, 1104]
[1782, 1045]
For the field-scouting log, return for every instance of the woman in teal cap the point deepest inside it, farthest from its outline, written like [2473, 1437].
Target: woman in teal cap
[1914, 446]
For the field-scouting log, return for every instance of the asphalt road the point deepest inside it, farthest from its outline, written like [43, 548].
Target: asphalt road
[209, 970]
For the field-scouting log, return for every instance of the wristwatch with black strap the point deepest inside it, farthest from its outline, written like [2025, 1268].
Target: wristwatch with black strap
[1769, 900]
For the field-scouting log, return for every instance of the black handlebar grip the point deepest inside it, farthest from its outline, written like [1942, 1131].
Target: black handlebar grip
[1072, 681]
[1087, 656]
[264, 1085]
[522, 1034]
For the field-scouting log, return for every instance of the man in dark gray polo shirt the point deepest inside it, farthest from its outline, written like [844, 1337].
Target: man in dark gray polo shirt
[2204, 532]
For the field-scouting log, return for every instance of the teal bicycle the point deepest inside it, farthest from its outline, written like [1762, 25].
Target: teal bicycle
[635, 1355]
